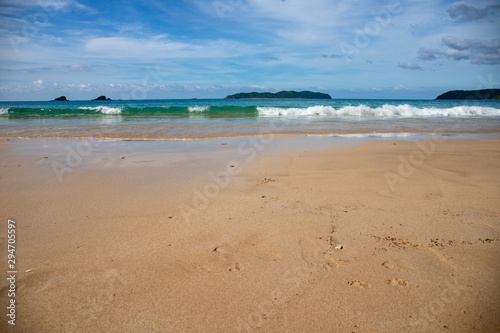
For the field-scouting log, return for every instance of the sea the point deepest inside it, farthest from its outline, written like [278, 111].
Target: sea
[191, 119]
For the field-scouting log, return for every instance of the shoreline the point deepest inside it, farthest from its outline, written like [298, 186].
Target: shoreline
[255, 233]
[284, 134]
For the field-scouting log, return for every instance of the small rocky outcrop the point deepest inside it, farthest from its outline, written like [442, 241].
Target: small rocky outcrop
[102, 98]
[60, 99]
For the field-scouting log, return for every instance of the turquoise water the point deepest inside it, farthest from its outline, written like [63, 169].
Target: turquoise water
[184, 119]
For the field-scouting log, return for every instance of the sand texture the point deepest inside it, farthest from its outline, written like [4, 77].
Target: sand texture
[384, 236]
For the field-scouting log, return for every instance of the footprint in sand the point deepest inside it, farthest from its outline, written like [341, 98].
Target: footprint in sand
[316, 254]
[235, 267]
[393, 266]
[267, 180]
[359, 284]
[398, 282]
[222, 258]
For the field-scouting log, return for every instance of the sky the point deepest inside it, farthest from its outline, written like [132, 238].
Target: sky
[156, 49]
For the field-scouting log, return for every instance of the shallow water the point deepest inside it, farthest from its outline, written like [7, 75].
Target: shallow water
[210, 118]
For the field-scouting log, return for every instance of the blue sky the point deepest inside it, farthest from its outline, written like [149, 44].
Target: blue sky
[208, 49]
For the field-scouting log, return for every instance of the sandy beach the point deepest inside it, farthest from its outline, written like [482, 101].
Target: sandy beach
[245, 234]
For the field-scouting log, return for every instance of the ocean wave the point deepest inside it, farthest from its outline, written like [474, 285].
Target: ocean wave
[386, 110]
[102, 109]
[4, 110]
[197, 108]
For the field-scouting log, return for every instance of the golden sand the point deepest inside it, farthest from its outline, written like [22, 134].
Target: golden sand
[378, 237]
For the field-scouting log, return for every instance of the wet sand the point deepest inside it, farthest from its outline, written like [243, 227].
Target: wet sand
[251, 235]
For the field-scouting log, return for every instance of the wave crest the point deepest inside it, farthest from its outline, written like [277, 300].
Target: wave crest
[102, 109]
[386, 110]
[197, 108]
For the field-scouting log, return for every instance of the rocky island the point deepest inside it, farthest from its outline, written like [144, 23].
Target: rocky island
[471, 94]
[102, 98]
[281, 94]
[64, 99]
[60, 99]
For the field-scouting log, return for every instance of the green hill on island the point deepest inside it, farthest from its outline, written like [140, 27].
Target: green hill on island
[471, 94]
[281, 94]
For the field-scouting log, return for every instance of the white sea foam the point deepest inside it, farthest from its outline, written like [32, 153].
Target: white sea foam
[102, 109]
[369, 135]
[198, 108]
[386, 110]
[4, 110]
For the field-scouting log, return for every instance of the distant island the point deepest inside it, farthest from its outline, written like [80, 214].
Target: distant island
[102, 98]
[64, 99]
[60, 99]
[471, 94]
[281, 94]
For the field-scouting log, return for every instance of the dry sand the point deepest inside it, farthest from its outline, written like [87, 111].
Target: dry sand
[298, 240]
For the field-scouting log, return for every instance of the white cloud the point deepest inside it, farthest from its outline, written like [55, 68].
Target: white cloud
[154, 48]
[79, 67]
[478, 51]
[429, 54]
[256, 86]
[475, 50]
[314, 13]
[457, 54]
[409, 65]
[458, 44]
[49, 7]
[160, 36]
[313, 22]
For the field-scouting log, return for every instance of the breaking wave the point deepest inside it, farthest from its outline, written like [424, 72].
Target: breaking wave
[386, 110]
[102, 109]
[197, 108]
